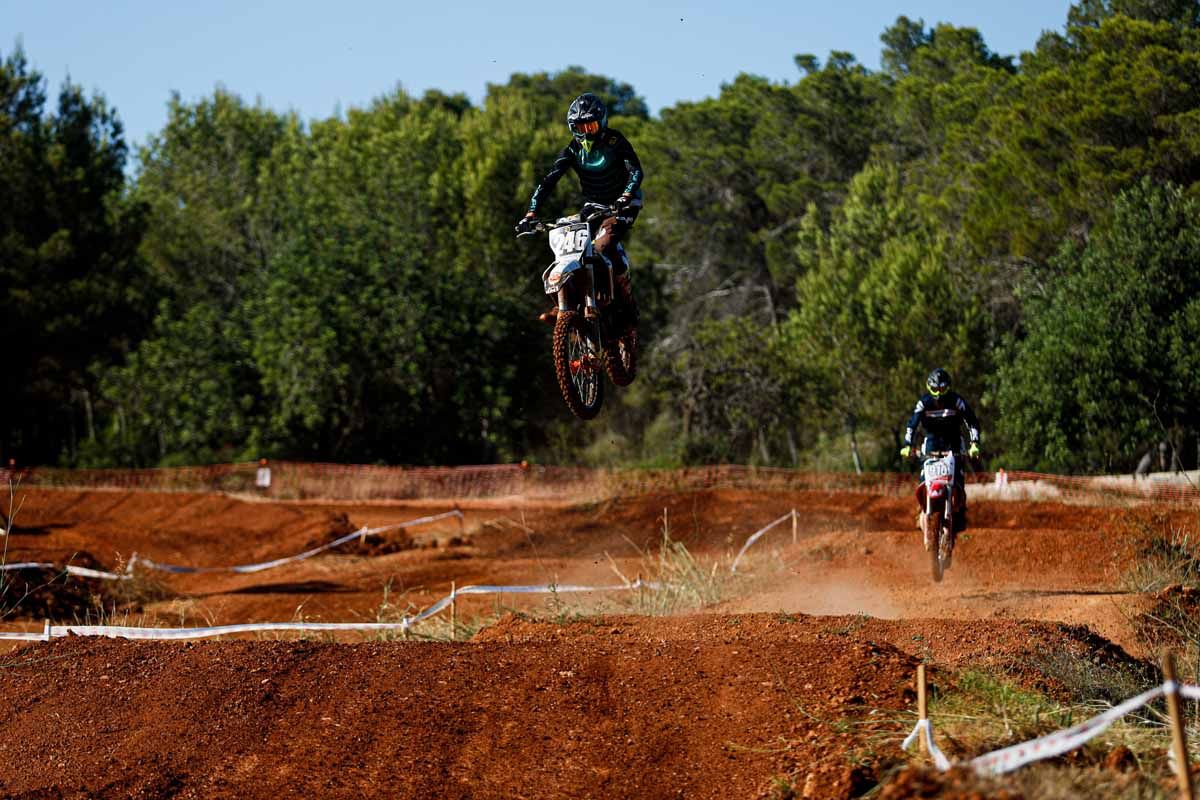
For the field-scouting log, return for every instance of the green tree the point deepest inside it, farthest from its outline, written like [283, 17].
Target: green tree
[72, 293]
[1070, 136]
[877, 306]
[1110, 360]
[351, 309]
[1092, 13]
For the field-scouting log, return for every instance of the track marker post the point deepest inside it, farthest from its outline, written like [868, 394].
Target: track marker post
[794, 525]
[922, 706]
[1178, 734]
[453, 611]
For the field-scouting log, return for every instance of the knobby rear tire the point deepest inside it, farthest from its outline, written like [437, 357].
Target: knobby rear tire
[620, 358]
[572, 322]
[620, 354]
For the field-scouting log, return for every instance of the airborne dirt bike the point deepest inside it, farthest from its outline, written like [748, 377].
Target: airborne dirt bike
[592, 333]
[941, 501]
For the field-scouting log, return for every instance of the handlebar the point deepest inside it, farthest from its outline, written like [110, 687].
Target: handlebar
[916, 454]
[589, 212]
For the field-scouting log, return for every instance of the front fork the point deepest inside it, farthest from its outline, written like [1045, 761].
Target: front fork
[585, 283]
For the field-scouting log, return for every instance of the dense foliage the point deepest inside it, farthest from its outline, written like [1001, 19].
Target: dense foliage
[349, 289]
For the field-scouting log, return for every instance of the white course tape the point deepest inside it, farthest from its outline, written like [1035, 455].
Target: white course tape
[755, 537]
[70, 569]
[133, 632]
[545, 588]
[1053, 744]
[84, 572]
[361, 533]
[923, 728]
[179, 569]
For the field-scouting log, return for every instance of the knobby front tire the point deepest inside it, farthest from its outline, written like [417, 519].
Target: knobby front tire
[933, 532]
[577, 364]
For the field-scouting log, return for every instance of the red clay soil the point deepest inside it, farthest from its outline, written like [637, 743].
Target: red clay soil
[614, 712]
[702, 706]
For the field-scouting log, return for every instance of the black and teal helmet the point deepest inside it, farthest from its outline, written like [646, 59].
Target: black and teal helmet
[587, 118]
[938, 382]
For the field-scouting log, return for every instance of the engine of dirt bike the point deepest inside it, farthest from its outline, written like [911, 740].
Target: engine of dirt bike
[580, 275]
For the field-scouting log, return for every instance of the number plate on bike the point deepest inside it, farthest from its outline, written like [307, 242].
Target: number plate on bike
[937, 469]
[569, 241]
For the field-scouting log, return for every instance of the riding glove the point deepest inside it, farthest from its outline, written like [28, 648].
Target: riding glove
[905, 451]
[973, 452]
[527, 224]
[622, 203]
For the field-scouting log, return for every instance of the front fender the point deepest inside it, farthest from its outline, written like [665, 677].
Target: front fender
[558, 273]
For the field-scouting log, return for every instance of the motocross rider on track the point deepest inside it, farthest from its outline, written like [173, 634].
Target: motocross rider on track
[944, 413]
[609, 173]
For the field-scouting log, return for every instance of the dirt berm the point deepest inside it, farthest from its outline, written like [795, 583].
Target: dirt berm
[701, 706]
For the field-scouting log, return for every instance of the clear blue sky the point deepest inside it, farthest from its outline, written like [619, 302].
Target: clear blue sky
[314, 57]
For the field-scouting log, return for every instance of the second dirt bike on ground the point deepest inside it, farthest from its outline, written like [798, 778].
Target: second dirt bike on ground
[941, 501]
[595, 328]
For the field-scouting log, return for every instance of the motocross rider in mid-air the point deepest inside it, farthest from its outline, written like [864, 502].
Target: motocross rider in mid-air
[943, 413]
[609, 173]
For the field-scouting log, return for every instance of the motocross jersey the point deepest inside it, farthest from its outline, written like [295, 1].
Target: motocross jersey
[606, 170]
[943, 419]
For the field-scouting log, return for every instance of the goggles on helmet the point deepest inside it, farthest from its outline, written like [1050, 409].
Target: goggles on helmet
[590, 126]
[938, 391]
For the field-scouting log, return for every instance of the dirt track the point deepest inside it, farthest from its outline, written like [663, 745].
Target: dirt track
[620, 706]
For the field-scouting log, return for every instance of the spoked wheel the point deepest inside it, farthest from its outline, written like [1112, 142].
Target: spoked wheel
[620, 358]
[933, 537]
[577, 357]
